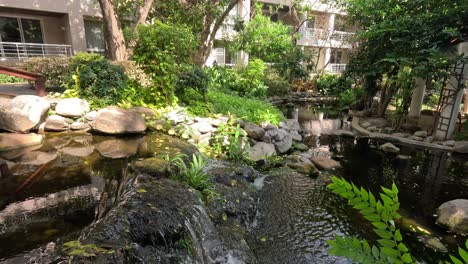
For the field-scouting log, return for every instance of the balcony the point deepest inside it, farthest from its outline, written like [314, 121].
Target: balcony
[19, 51]
[325, 38]
[336, 67]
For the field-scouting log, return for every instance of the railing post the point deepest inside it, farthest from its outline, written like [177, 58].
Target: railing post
[17, 51]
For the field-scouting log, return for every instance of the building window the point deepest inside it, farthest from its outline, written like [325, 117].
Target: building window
[94, 36]
[25, 30]
[340, 24]
[223, 56]
[336, 57]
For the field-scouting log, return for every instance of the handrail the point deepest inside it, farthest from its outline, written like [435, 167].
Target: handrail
[35, 44]
[19, 50]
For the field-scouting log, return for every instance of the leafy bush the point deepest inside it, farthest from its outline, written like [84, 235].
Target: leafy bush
[96, 79]
[248, 109]
[194, 78]
[162, 50]
[349, 97]
[227, 142]
[382, 213]
[193, 174]
[56, 70]
[276, 84]
[10, 79]
[332, 85]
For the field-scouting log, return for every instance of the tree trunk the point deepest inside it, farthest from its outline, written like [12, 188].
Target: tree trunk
[209, 33]
[113, 34]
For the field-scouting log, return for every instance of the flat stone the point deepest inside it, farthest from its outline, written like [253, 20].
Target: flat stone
[91, 116]
[461, 147]
[421, 133]
[216, 122]
[56, 123]
[449, 143]
[202, 127]
[366, 124]
[290, 125]
[416, 138]
[115, 120]
[343, 133]
[72, 107]
[254, 131]
[389, 147]
[296, 136]
[301, 146]
[82, 151]
[433, 243]
[261, 150]
[400, 134]
[36, 158]
[454, 216]
[58, 142]
[11, 141]
[118, 148]
[305, 167]
[23, 113]
[78, 125]
[324, 163]
[403, 157]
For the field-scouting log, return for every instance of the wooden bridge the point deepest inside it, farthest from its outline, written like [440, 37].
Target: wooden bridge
[39, 80]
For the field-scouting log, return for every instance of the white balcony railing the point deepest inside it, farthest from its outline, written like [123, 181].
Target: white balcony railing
[336, 67]
[19, 51]
[322, 37]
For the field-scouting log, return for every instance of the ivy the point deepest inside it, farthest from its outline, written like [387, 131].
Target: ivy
[382, 212]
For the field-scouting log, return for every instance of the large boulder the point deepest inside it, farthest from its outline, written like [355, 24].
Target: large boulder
[254, 131]
[115, 120]
[118, 148]
[324, 163]
[290, 125]
[72, 107]
[56, 123]
[454, 215]
[10, 141]
[461, 147]
[261, 150]
[389, 147]
[304, 166]
[23, 113]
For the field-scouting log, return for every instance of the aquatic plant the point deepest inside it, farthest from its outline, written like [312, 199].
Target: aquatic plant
[192, 174]
[382, 213]
[76, 248]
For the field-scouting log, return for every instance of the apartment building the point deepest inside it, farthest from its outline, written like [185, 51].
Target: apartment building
[31, 28]
[324, 33]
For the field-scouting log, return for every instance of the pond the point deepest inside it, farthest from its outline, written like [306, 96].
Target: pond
[296, 214]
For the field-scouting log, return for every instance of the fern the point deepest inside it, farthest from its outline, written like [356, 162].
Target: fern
[463, 255]
[381, 212]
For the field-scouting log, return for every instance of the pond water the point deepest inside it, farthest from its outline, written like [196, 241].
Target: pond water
[296, 214]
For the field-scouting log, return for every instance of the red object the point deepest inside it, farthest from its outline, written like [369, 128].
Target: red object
[39, 81]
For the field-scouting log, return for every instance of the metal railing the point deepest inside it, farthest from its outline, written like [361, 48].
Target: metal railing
[342, 36]
[19, 51]
[336, 67]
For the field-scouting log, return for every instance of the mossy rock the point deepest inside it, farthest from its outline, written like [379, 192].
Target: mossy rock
[155, 166]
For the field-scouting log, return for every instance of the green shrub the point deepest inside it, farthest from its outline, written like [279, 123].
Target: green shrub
[95, 79]
[227, 142]
[56, 70]
[332, 85]
[195, 79]
[248, 109]
[162, 50]
[10, 79]
[348, 97]
[276, 84]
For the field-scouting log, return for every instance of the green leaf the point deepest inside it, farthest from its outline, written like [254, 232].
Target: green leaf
[388, 192]
[379, 225]
[402, 248]
[372, 199]
[373, 217]
[383, 233]
[394, 189]
[364, 194]
[375, 252]
[387, 200]
[398, 236]
[387, 243]
[463, 254]
[390, 252]
[406, 258]
[455, 260]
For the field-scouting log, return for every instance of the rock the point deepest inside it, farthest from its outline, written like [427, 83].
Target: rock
[36, 158]
[416, 138]
[23, 113]
[261, 150]
[343, 133]
[449, 143]
[301, 146]
[389, 147]
[115, 120]
[461, 147]
[283, 141]
[78, 125]
[56, 123]
[305, 167]
[72, 107]
[155, 166]
[421, 133]
[11, 141]
[118, 148]
[144, 111]
[82, 151]
[373, 129]
[366, 124]
[378, 122]
[254, 131]
[324, 163]
[290, 125]
[216, 122]
[58, 142]
[177, 116]
[433, 243]
[400, 134]
[204, 139]
[403, 157]
[296, 136]
[429, 139]
[269, 127]
[454, 215]
[202, 127]
[91, 116]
